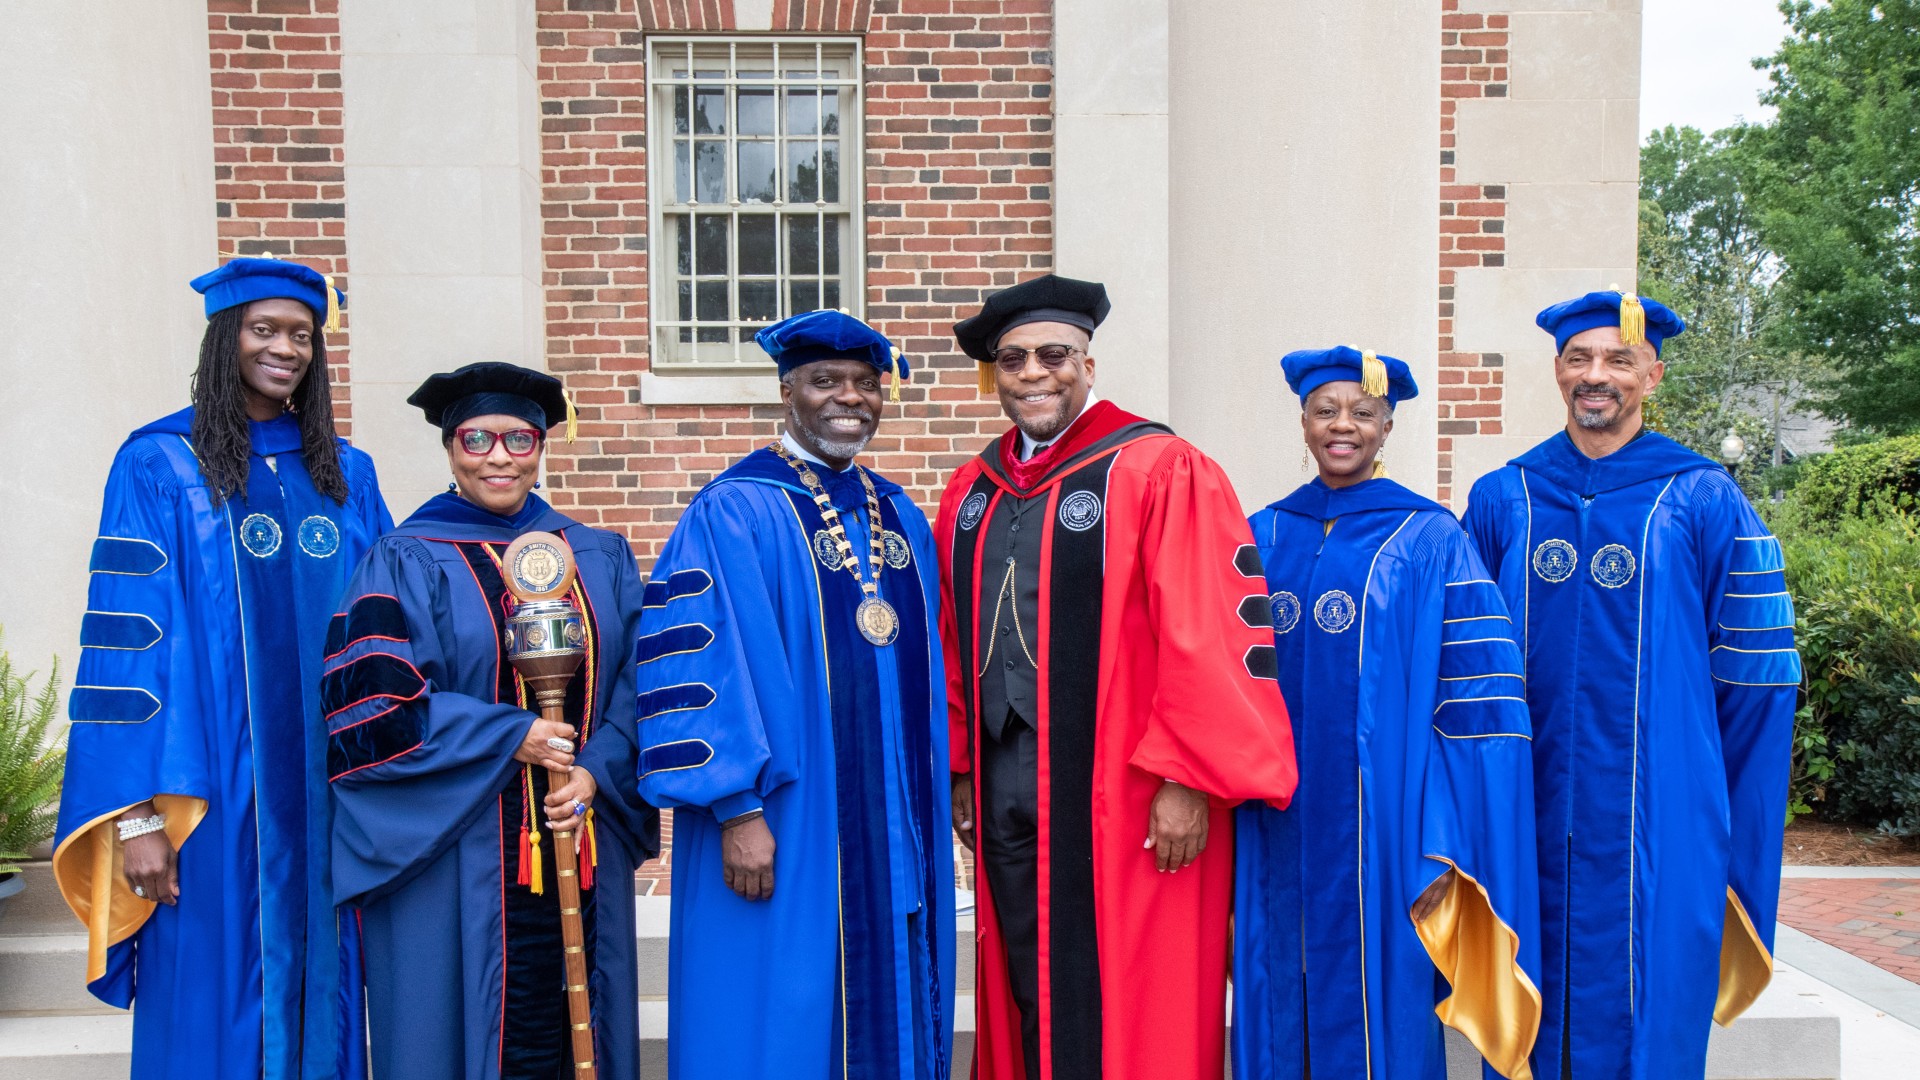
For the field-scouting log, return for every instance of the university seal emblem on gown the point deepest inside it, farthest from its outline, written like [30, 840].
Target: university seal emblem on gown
[1334, 611]
[1613, 566]
[260, 534]
[319, 536]
[1080, 511]
[971, 510]
[1554, 561]
[898, 552]
[826, 550]
[1286, 612]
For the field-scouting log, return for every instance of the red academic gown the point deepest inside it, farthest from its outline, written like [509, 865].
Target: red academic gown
[1156, 662]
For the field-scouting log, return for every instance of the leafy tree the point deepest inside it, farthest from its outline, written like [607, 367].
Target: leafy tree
[1835, 183]
[1701, 253]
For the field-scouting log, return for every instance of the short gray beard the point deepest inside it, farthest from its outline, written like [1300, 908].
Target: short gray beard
[1593, 421]
[834, 448]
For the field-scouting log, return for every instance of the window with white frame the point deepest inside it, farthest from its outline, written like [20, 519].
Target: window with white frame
[755, 192]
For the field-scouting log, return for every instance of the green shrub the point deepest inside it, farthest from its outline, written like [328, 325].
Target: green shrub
[1857, 735]
[1865, 480]
[30, 764]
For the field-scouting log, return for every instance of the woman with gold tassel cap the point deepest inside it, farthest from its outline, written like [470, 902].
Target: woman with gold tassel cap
[195, 788]
[445, 779]
[1402, 875]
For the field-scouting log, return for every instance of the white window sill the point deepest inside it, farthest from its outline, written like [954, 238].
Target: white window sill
[761, 389]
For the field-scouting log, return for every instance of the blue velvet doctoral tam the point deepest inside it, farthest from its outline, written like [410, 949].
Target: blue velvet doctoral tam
[1400, 670]
[757, 691]
[1662, 678]
[438, 830]
[197, 689]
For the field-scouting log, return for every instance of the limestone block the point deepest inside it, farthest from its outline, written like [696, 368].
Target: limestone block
[1502, 141]
[434, 220]
[1570, 226]
[1110, 57]
[1593, 54]
[431, 109]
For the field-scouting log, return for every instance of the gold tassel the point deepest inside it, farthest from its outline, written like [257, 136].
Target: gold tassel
[332, 325]
[1633, 320]
[986, 379]
[535, 879]
[1379, 468]
[573, 416]
[894, 394]
[1373, 375]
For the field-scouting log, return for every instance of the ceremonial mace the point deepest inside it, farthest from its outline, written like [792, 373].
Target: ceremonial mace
[546, 641]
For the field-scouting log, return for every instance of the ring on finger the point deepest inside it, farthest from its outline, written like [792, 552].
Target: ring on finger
[565, 746]
[139, 892]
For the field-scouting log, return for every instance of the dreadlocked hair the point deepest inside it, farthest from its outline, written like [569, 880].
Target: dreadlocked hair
[220, 435]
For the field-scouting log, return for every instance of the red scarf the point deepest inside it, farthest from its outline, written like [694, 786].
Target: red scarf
[1096, 423]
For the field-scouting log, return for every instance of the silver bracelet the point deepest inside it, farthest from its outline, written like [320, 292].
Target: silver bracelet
[141, 826]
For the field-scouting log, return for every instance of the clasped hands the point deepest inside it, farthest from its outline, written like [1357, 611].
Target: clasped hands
[579, 786]
[1176, 822]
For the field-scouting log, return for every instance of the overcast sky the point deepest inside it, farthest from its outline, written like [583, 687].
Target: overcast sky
[1696, 61]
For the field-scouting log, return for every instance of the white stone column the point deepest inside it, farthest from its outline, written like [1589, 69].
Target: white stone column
[107, 183]
[1566, 143]
[1110, 184]
[443, 212]
[1305, 154]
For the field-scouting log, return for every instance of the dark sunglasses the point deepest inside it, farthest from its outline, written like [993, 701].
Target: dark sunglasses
[479, 442]
[1015, 360]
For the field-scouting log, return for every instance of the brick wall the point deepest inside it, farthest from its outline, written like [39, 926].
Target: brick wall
[959, 141]
[1473, 64]
[279, 163]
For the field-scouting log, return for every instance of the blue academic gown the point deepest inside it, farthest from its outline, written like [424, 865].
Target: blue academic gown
[1399, 667]
[200, 656]
[756, 690]
[1662, 678]
[431, 836]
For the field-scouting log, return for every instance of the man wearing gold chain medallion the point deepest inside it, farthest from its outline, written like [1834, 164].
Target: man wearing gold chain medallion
[792, 709]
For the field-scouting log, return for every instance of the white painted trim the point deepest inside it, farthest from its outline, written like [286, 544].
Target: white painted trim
[709, 389]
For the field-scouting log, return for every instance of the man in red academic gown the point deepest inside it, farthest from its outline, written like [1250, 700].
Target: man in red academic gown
[1112, 694]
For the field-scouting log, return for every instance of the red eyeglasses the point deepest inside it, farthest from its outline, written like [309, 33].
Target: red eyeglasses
[479, 442]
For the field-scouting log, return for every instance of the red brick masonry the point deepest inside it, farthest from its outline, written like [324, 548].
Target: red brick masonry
[1875, 919]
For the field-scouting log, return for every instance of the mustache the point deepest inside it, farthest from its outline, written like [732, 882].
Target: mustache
[1597, 390]
[857, 414]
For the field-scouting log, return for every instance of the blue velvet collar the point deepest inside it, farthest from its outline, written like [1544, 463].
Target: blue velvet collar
[1314, 499]
[1647, 457]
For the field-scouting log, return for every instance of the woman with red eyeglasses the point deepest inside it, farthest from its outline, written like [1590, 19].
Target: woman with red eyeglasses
[445, 780]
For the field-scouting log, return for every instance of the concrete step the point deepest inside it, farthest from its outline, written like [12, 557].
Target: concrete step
[46, 974]
[65, 1047]
[39, 909]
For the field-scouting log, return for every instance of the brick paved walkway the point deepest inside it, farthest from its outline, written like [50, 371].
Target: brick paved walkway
[1876, 919]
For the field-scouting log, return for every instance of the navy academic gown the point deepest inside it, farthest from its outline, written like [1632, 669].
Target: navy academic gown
[200, 659]
[1400, 671]
[424, 713]
[1662, 678]
[757, 690]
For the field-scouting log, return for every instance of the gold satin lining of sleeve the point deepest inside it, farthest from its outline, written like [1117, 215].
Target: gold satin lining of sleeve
[87, 867]
[1745, 964]
[1494, 1004]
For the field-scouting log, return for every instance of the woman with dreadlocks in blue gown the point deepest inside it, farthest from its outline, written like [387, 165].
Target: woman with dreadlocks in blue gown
[1400, 881]
[440, 766]
[192, 824]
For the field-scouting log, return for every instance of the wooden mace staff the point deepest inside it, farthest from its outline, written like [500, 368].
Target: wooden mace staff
[546, 642]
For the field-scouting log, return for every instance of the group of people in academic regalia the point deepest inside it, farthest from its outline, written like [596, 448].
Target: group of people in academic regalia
[1376, 770]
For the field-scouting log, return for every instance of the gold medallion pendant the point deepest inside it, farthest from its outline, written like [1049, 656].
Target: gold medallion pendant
[877, 620]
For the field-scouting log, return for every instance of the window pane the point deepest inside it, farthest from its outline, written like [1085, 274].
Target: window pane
[710, 170]
[683, 243]
[709, 110]
[756, 247]
[830, 112]
[803, 245]
[686, 311]
[682, 171]
[831, 185]
[832, 289]
[754, 73]
[759, 302]
[805, 295]
[713, 308]
[680, 119]
[803, 107]
[710, 249]
[833, 248]
[758, 173]
[803, 179]
[756, 112]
